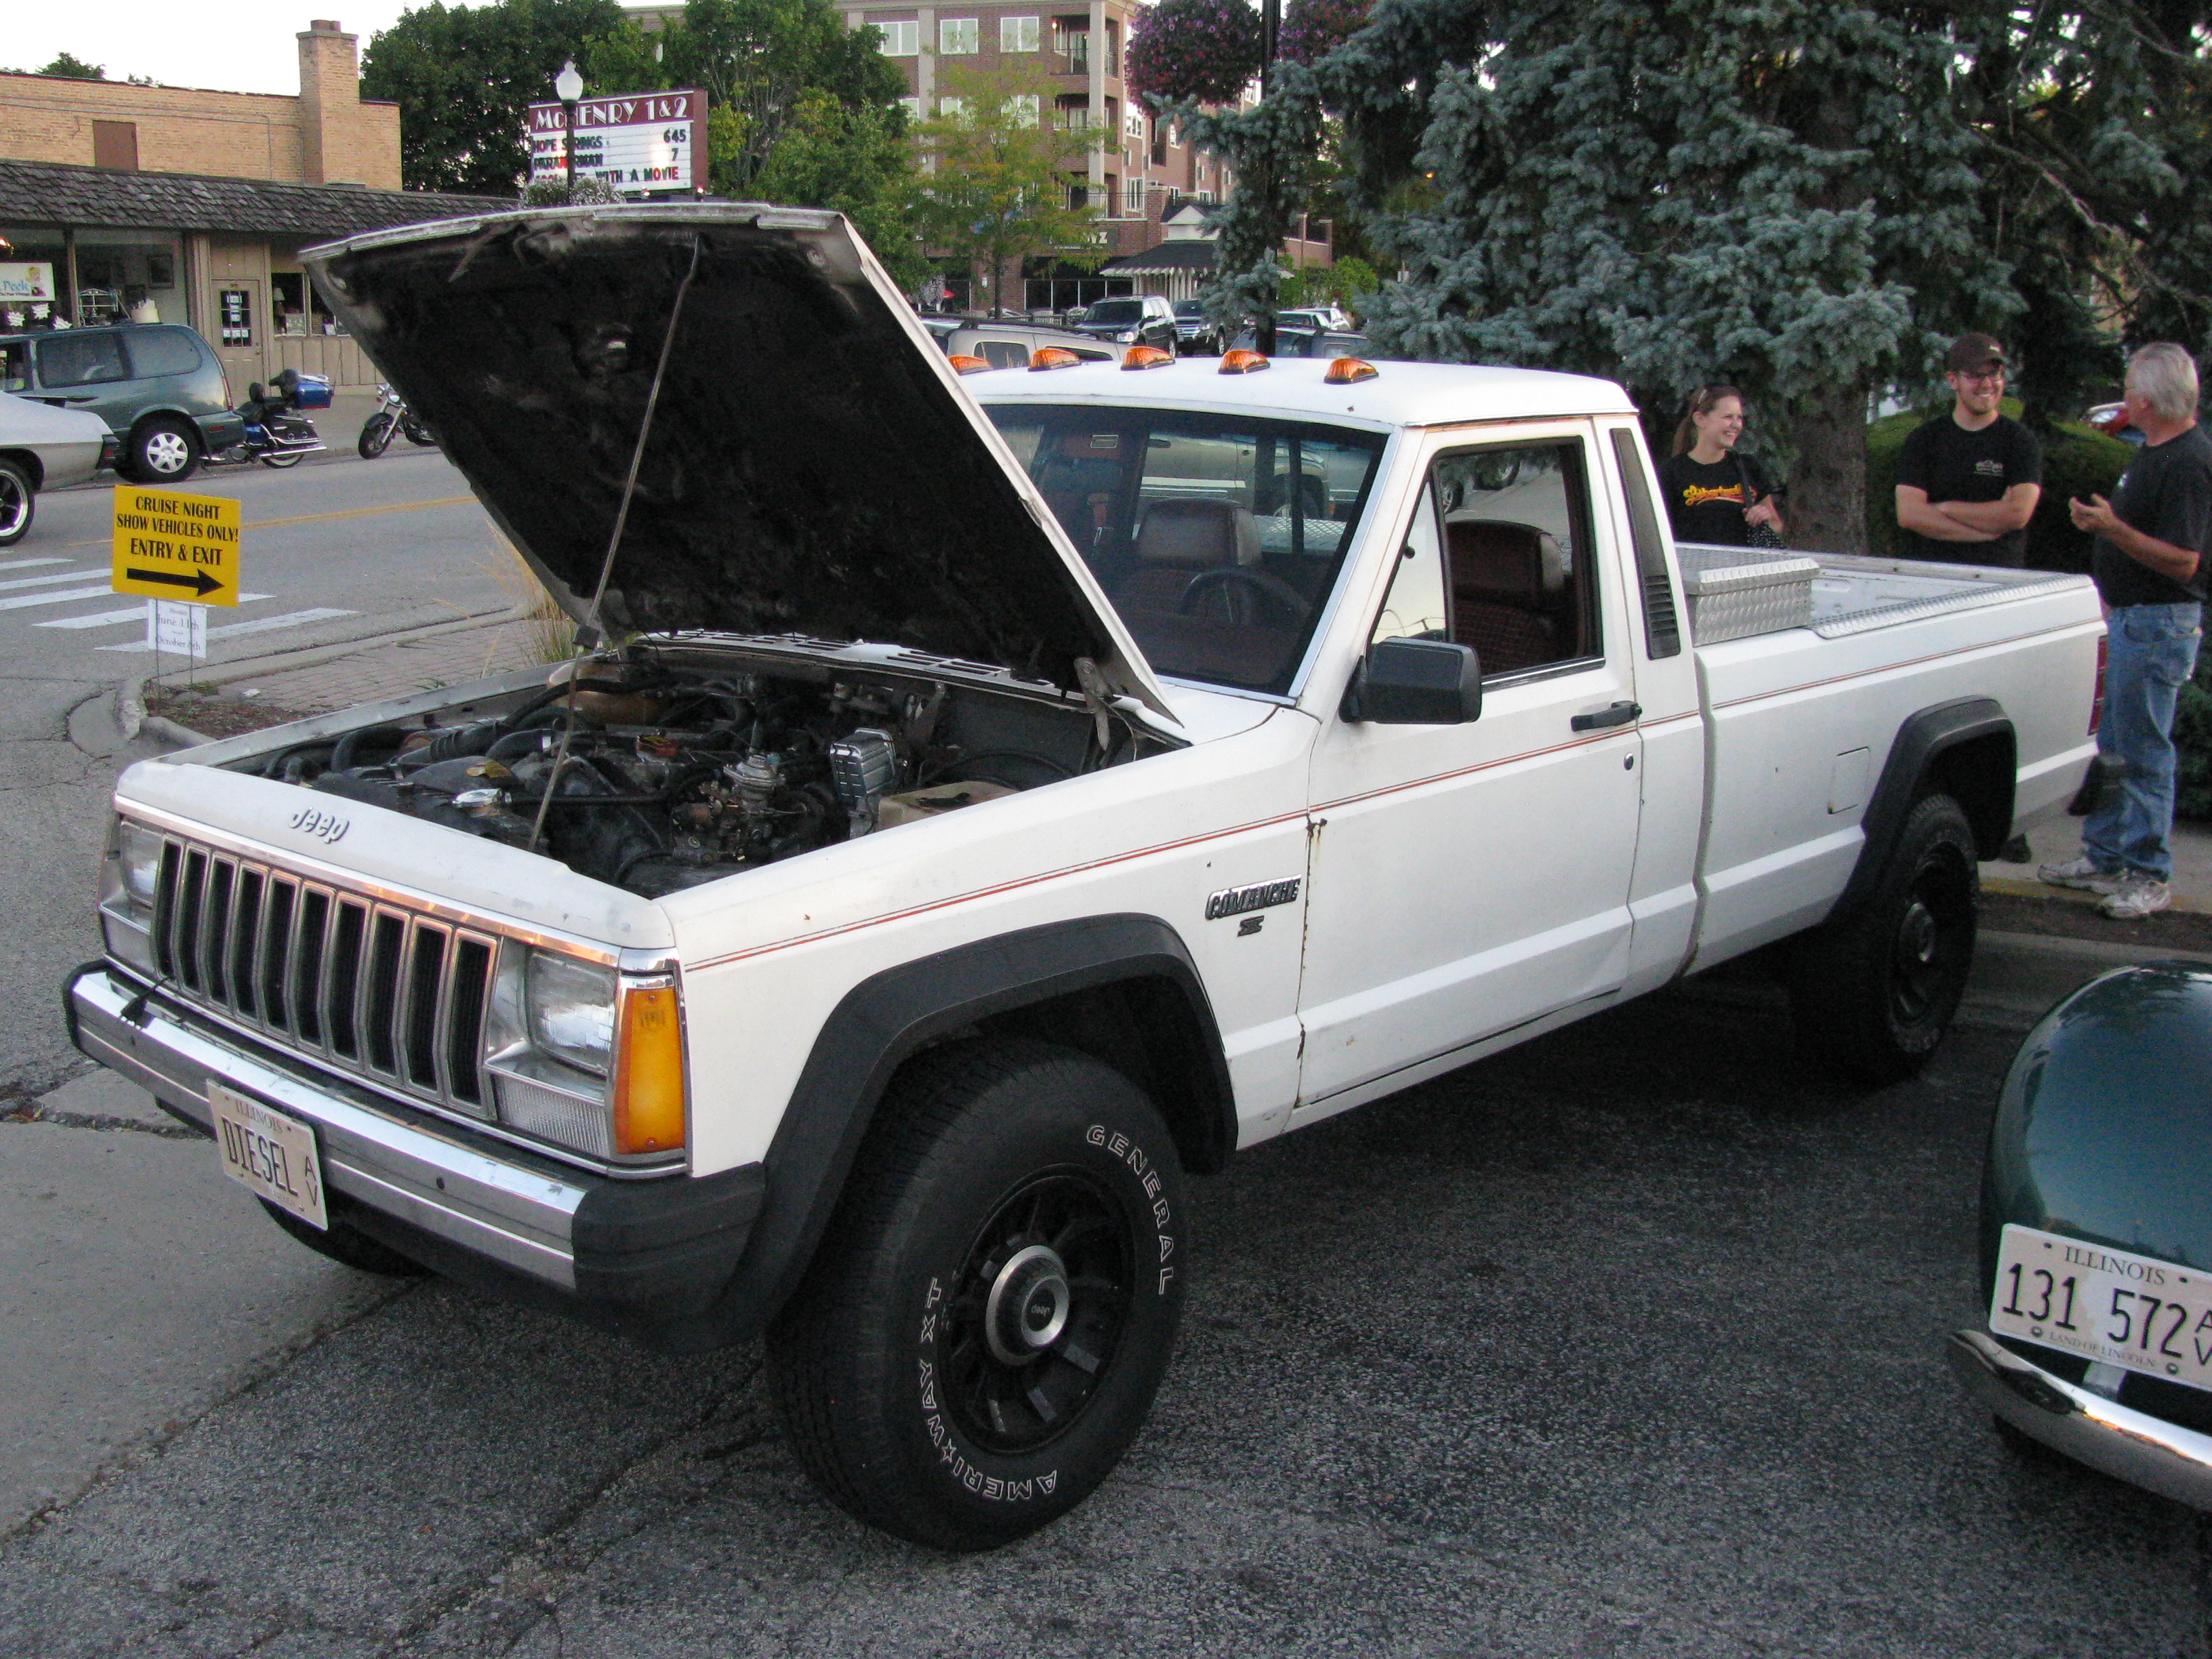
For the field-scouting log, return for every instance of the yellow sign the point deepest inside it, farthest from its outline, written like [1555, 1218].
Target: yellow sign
[169, 545]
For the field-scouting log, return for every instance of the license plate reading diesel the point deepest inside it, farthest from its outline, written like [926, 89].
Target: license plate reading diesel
[2129, 1311]
[272, 1154]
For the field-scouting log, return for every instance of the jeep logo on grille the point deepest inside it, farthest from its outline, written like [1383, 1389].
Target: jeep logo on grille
[326, 827]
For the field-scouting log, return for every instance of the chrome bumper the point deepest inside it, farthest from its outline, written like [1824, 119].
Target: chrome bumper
[643, 1256]
[2130, 1446]
[520, 1219]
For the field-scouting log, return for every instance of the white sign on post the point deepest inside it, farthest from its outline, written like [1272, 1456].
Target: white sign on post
[642, 144]
[177, 628]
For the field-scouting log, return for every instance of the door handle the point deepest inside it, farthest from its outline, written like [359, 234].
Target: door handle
[1620, 713]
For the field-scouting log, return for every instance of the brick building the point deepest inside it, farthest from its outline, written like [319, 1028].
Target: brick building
[191, 206]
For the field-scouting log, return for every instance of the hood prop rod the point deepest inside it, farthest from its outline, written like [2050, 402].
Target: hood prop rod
[587, 633]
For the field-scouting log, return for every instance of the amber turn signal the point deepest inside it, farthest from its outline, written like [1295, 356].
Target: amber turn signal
[1147, 357]
[1346, 370]
[1053, 357]
[1241, 361]
[649, 1072]
[963, 364]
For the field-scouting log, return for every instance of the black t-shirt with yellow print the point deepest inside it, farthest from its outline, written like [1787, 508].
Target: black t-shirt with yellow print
[1707, 503]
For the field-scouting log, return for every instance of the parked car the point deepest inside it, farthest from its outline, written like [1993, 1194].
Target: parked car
[1194, 333]
[1011, 345]
[2096, 1234]
[1132, 319]
[2112, 420]
[1302, 338]
[44, 448]
[158, 386]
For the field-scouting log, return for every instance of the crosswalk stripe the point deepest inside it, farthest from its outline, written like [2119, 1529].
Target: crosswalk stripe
[25, 564]
[259, 625]
[48, 581]
[136, 613]
[22, 600]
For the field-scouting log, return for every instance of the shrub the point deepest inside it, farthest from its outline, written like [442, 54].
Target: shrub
[1314, 28]
[2192, 735]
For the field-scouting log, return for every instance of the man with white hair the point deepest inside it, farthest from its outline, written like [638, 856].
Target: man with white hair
[2153, 539]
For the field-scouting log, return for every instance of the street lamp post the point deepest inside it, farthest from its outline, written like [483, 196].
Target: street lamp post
[569, 86]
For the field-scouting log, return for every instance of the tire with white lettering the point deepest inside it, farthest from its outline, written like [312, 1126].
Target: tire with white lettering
[347, 1245]
[1873, 993]
[980, 1336]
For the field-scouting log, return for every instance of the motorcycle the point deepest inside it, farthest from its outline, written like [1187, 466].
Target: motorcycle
[392, 416]
[277, 435]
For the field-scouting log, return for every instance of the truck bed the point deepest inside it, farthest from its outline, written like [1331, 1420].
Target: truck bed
[1738, 593]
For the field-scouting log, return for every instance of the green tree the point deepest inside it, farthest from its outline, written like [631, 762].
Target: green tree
[1804, 198]
[995, 177]
[464, 77]
[75, 69]
[761, 62]
[858, 161]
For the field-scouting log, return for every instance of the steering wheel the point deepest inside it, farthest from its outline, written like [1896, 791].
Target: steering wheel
[1244, 597]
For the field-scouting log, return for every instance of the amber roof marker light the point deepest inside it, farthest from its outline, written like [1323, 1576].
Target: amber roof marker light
[1241, 361]
[963, 364]
[1345, 371]
[1053, 357]
[1144, 357]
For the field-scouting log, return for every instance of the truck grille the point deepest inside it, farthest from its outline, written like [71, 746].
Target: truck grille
[366, 986]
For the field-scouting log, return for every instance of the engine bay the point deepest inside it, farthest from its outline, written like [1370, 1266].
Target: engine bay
[655, 768]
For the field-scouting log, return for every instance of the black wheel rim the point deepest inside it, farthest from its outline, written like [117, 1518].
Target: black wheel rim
[1037, 1314]
[14, 505]
[1928, 951]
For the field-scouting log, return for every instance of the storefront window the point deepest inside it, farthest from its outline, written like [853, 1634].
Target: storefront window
[31, 277]
[129, 276]
[297, 308]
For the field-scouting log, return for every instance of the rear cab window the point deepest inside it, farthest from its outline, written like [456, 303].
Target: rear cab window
[1218, 538]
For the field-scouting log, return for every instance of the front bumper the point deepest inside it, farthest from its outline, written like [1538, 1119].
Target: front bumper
[2131, 1445]
[634, 1254]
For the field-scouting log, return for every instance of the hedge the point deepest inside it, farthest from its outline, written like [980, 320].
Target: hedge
[2079, 462]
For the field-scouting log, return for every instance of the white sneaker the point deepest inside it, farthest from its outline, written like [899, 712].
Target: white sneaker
[2138, 895]
[2080, 872]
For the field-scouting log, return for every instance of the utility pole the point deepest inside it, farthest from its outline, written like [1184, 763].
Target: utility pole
[1271, 30]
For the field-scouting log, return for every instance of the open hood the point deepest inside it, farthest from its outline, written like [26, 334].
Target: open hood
[814, 466]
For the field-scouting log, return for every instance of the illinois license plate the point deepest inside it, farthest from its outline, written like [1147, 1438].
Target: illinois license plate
[2129, 1311]
[272, 1154]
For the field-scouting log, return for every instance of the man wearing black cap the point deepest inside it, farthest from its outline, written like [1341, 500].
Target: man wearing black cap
[1967, 481]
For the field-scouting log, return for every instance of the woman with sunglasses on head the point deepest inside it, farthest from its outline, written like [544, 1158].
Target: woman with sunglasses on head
[1714, 495]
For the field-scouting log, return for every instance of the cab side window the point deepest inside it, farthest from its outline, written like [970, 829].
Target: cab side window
[1415, 608]
[15, 366]
[1519, 582]
[80, 360]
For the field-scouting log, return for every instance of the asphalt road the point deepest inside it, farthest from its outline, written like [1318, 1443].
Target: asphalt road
[1625, 1342]
[336, 549]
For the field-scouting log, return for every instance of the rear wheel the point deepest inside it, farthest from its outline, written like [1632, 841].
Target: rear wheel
[163, 450]
[979, 1337]
[19, 502]
[280, 462]
[1873, 993]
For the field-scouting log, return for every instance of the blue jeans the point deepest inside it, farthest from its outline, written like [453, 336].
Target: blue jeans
[2150, 654]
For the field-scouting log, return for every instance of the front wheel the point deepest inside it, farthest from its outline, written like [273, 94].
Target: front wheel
[1873, 993]
[19, 503]
[979, 1339]
[375, 435]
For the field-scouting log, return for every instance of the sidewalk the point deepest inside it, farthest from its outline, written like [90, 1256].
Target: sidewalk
[2061, 839]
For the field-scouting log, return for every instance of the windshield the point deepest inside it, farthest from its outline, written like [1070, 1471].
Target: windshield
[1190, 307]
[1218, 562]
[1115, 310]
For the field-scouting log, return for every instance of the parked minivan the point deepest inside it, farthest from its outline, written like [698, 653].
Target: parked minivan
[158, 386]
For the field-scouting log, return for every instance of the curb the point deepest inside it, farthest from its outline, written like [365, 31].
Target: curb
[2015, 887]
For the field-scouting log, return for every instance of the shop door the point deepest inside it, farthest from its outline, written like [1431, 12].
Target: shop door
[239, 331]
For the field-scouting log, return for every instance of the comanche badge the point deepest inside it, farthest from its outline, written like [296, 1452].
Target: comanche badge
[1261, 896]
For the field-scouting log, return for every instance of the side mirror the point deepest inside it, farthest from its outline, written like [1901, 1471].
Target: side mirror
[1415, 683]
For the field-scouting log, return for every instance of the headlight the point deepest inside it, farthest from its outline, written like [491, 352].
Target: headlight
[585, 1058]
[128, 878]
[1126, 336]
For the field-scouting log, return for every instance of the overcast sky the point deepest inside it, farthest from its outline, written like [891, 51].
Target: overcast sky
[231, 46]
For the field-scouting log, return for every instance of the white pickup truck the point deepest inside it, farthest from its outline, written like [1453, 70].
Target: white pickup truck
[1008, 795]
